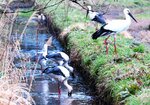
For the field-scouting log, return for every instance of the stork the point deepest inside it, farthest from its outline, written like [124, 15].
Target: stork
[42, 59]
[62, 59]
[41, 56]
[61, 74]
[113, 27]
[95, 16]
[42, 18]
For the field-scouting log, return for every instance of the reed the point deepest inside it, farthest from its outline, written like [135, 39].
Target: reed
[14, 89]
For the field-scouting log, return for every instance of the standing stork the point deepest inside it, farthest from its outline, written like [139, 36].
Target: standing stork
[61, 74]
[95, 16]
[42, 19]
[62, 59]
[41, 56]
[113, 27]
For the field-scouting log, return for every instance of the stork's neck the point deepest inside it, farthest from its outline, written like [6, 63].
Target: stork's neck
[43, 17]
[45, 50]
[68, 67]
[68, 86]
[89, 9]
[128, 18]
[61, 62]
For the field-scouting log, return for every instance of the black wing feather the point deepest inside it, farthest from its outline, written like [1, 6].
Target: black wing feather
[101, 32]
[99, 18]
[54, 70]
[54, 55]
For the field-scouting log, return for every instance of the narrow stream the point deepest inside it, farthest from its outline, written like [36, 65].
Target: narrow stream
[44, 89]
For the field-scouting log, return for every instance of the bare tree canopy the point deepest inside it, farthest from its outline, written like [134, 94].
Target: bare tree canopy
[11, 6]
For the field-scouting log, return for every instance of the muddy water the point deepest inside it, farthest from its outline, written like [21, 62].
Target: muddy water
[44, 89]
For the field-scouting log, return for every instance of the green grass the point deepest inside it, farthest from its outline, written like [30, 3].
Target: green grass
[142, 98]
[143, 16]
[130, 3]
[28, 14]
[139, 49]
[131, 58]
[103, 66]
[123, 75]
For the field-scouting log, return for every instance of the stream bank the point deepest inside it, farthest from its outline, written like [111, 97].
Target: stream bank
[118, 81]
[98, 88]
[115, 80]
[125, 79]
[44, 89]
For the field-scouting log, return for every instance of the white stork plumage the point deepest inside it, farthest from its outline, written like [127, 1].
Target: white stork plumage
[42, 19]
[42, 60]
[95, 16]
[41, 56]
[61, 74]
[113, 27]
[62, 59]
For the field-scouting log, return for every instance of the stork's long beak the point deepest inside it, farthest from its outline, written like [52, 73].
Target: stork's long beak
[69, 94]
[132, 17]
[87, 12]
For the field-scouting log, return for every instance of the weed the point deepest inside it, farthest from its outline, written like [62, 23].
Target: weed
[139, 49]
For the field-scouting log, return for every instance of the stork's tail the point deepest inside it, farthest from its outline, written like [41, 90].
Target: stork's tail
[47, 70]
[96, 34]
[101, 32]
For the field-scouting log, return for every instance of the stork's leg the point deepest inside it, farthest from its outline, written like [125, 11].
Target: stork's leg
[115, 48]
[106, 44]
[59, 91]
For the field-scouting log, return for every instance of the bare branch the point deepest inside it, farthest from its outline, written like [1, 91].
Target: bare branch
[39, 9]
[35, 9]
[107, 9]
[75, 1]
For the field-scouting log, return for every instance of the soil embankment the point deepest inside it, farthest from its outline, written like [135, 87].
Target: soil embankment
[118, 78]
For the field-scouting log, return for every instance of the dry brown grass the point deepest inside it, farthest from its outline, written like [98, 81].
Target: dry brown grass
[13, 90]
[66, 31]
[13, 93]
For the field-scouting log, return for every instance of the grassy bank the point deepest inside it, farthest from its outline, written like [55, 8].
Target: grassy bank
[127, 77]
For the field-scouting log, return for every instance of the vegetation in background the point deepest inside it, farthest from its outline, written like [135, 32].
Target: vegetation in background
[130, 3]
[28, 14]
[128, 76]
[14, 90]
